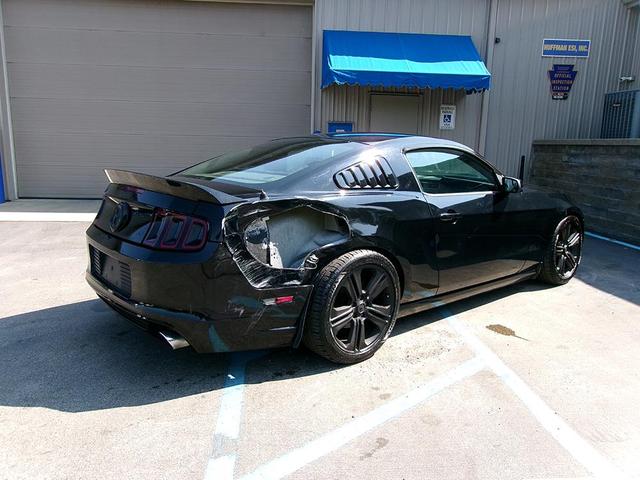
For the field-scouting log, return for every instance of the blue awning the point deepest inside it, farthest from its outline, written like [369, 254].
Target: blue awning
[402, 60]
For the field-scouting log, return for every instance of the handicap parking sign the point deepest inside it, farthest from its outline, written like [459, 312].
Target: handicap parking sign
[447, 117]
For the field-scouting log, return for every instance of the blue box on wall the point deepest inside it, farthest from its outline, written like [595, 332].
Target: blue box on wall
[340, 127]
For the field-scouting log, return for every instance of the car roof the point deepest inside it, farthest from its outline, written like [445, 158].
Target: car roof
[401, 140]
[367, 137]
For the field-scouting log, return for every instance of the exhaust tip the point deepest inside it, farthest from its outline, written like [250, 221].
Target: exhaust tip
[174, 340]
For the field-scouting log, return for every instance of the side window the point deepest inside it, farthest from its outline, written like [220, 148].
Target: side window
[450, 171]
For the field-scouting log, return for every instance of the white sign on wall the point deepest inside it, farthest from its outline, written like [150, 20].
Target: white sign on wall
[447, 117]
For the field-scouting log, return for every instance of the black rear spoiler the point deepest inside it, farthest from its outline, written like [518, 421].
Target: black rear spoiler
[178, 188]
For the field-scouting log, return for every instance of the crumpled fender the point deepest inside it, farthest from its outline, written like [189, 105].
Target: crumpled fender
[319, 221]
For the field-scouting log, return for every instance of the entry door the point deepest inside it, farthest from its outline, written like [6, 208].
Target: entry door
[477, 237]
[395, 113]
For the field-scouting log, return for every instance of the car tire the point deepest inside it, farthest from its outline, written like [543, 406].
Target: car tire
[564, 252]
[353, 308]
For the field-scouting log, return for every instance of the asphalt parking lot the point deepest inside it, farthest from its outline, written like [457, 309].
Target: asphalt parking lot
[527, 382]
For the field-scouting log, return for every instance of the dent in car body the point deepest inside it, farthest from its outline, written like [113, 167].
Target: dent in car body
[262, 273]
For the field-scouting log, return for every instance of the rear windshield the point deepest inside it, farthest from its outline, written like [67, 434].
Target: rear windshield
[270, 162]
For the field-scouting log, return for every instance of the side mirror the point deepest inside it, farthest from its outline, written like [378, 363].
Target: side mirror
[511, 185]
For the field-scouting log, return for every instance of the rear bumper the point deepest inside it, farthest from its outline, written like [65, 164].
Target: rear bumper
[193, 328]
[203, 297]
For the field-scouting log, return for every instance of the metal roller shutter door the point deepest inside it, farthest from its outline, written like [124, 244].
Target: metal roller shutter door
[148, 86]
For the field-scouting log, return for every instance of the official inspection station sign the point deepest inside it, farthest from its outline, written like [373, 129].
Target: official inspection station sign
[562, 47]
[562, 78]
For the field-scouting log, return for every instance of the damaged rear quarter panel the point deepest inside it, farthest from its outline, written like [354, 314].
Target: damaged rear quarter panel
[393, 223]
[279, 243]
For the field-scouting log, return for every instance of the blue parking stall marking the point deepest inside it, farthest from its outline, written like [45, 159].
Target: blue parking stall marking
[611, 240]
[221, 464]
[218, 344]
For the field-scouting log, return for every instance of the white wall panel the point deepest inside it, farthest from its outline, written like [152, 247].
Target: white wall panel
[521, 108]
[148, 86]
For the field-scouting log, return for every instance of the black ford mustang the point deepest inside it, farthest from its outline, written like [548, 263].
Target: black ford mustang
[322, 240]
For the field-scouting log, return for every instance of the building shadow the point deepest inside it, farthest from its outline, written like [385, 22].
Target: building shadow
[611, 268]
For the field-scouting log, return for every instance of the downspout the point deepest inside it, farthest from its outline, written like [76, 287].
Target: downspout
[314, 38]
[629, 40]
[484, 110]
[623, 61]
[6, 124]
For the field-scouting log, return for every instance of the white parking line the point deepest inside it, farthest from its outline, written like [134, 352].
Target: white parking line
[221, 468]
[579, 448]
[329, 442]
[221, 465]
[46, 217]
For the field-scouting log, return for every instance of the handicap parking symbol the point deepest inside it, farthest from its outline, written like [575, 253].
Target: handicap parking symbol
[447, 117]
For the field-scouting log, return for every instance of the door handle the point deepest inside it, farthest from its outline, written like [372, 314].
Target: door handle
[450, 216]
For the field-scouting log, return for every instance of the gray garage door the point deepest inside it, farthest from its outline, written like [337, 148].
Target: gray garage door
[148, 86]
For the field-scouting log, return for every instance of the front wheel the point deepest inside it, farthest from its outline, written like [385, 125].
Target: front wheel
[564, 252]
[354, 307]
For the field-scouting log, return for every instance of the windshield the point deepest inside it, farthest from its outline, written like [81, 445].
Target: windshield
[270, 161]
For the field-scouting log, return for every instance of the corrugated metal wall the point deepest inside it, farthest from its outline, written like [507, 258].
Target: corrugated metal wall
[520, 108]
[345, 103]
[148, 86]
[454, 17]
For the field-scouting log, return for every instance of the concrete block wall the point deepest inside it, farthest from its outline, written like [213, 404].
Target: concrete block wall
[601, 176]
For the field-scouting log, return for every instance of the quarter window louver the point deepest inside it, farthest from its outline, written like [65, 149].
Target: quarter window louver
[376, 173]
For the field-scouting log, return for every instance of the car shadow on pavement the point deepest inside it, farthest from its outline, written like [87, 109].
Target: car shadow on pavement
[83, 357]
[418, 320]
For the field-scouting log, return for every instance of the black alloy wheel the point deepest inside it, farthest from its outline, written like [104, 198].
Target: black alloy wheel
[568, 247]
[564, 253]
[354, 307]
[362, 309]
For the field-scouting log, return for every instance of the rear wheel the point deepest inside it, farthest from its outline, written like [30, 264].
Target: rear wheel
[563, 252]
[354, 307]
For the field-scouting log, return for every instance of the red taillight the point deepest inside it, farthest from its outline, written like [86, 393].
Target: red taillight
[174, 231]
